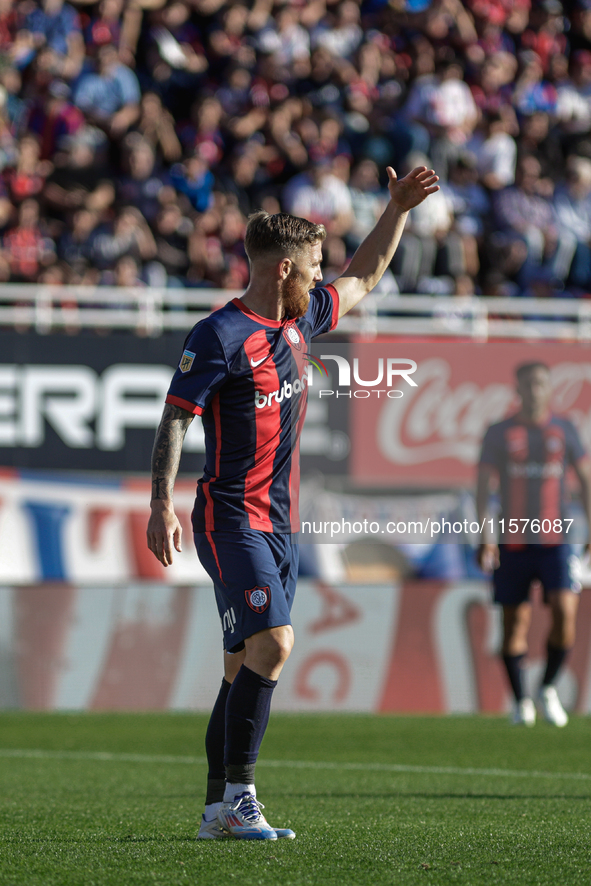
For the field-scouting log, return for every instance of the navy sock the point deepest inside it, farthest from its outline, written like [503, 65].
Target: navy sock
[247, 714]
[215, 739]
[554, 663]
[515, 672]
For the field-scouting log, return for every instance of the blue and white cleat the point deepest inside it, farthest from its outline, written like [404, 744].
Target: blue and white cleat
[242, 818]
[286, 833]
[211, 830]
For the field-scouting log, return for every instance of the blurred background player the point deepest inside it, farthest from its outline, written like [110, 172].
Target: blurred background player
[244, 369]
[529, 453]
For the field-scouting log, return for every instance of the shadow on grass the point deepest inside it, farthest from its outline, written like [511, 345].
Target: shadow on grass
[430, 795]
[128, 840]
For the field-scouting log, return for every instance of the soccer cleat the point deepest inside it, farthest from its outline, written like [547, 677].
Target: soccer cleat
[551, 707]
[243, 819]
[524, 713]
[286, 833]
[211, 830]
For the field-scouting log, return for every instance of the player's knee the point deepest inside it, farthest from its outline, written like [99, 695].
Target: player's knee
[271, 647]
[513, 634]
[568, 639]
[563, 633]
[521, 627]
[279, 643]
[564, 614]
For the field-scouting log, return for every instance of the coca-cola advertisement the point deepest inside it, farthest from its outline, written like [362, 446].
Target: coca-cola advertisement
[419, 411]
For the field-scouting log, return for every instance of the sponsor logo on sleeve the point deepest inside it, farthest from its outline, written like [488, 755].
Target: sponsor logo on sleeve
[186, 361]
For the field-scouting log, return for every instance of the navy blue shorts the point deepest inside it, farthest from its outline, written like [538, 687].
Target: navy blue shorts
[556, 568]
[254, 575]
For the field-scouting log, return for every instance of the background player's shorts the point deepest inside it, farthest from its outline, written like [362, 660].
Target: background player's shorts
[254, 575]
[556, 568]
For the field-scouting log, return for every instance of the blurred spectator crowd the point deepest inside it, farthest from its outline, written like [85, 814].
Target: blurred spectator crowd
[136, 138]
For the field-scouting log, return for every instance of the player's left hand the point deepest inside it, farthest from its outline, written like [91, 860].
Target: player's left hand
[413, 188]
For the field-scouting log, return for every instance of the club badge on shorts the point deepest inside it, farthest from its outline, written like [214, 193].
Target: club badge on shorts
[258, 598]
[186, 361]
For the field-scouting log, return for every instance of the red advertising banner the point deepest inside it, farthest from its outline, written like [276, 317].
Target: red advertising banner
[431, 435]
[417, 646]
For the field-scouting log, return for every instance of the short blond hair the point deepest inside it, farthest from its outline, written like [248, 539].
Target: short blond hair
[280, 234]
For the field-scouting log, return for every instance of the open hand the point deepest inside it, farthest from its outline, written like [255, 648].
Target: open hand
[413, 188]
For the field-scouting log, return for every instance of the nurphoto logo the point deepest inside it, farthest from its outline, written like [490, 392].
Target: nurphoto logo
[389, 371]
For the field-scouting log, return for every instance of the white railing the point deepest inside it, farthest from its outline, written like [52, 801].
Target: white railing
[150, 311]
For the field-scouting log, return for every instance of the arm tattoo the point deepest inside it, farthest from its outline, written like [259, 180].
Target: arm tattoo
[166, 454]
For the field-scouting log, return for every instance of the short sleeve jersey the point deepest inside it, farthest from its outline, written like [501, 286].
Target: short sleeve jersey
[247, 377]
[532, 462]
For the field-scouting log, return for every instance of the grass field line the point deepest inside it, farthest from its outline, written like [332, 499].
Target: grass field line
[107, 756]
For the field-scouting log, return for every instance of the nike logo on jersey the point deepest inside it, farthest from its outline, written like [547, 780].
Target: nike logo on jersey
[254, 363]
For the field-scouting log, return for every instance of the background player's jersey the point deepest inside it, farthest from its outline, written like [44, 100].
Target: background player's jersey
[532, 461]
[248, 378]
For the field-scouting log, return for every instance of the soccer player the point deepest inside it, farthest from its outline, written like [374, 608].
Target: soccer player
[529, 453]
[244, 370]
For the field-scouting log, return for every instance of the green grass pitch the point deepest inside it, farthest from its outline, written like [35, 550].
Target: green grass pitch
[97, 799]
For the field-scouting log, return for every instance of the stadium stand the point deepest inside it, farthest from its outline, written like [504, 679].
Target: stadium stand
[136, 136]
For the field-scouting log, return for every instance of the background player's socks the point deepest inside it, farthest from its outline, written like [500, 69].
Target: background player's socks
[215, 738]
[554, 663]
[247, 714]
[513, 664]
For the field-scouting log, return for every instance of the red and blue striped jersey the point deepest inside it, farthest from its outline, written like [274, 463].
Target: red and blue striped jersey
[532, 461]
[247, 377]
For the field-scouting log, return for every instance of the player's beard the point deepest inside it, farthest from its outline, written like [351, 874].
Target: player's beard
[295, 298]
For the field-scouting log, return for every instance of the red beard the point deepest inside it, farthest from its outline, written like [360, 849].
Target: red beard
[295, 298]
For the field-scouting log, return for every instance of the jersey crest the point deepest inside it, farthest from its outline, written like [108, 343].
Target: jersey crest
[292, 335]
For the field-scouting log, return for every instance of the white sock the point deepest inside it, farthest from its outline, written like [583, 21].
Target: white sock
[211, 811]
[232, 790]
